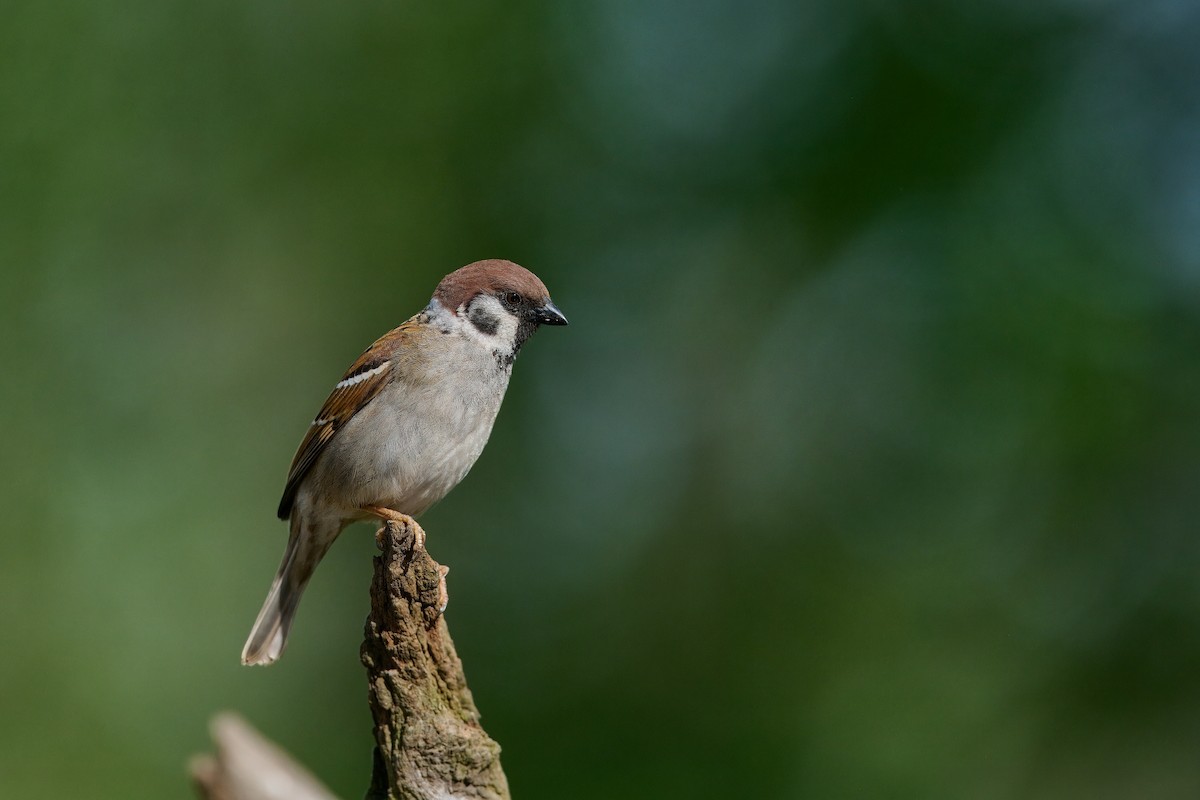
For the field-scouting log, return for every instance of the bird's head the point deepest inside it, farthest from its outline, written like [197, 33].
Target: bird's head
[501, 300]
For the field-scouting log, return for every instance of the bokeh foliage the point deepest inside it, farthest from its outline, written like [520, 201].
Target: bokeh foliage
[867, 468]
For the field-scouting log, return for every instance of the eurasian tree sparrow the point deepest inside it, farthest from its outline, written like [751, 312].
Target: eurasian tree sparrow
[404, 425]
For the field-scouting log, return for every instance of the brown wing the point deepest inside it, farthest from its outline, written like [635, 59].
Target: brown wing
[359, 386]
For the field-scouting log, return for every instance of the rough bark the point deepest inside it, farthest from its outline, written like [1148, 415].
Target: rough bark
[429, 743]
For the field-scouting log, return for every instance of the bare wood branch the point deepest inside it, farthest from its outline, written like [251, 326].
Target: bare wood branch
[248, 767]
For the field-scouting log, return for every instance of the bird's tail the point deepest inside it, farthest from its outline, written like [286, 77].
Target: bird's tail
[306, 546]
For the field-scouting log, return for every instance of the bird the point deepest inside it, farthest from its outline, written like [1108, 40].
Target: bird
[403, 426]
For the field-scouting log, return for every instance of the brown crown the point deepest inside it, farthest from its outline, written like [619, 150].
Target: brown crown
[489, 277]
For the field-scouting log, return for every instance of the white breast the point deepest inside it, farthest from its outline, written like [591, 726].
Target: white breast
[417, 439]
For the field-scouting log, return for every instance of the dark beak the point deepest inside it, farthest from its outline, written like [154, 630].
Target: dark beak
[549, 315]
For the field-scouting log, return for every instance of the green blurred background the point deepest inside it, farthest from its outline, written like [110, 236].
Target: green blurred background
[868, 466]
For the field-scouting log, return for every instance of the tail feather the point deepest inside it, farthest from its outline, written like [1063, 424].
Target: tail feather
[269, 634]
[306, 546]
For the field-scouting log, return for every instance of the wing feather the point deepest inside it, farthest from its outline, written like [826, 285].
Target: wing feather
[362, 382]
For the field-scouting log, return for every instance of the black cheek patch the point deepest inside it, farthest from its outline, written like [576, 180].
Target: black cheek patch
[484, 322]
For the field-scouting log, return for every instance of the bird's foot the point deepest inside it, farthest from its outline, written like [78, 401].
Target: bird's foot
[401, 520]
[434, 604]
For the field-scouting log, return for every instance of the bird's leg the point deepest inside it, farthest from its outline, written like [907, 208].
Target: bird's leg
[404, 520]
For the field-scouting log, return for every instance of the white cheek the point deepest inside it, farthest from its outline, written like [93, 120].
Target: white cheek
[507, 332]
[506, 328]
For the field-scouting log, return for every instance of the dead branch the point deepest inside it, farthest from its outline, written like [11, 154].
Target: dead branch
[248, 767]
[428, 741]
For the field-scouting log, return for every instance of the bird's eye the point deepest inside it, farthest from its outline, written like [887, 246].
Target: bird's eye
[511, 299]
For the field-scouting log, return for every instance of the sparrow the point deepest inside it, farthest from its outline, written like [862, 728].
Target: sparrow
[404, 424]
